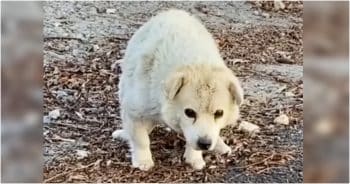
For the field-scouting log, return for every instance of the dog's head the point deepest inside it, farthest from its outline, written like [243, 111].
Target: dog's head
[201, 100]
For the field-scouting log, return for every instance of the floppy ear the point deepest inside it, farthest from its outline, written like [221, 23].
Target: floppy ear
[236, 90]
[173, 85]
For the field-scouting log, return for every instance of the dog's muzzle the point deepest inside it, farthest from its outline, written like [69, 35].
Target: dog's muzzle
[204, 143]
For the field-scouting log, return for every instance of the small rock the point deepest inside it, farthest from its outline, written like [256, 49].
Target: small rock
[282, 119]
[46, 132]
[290, 6]
[212, 167]
[111, 11]
[168, 129]
[60, 93]
[256, 12]
[95, 48]
[75, 52]
[278, 5]
[54, 114]
[82, 154]
[57, 24]
[266, 15]
[271, 127]
[289, 94]
[109, 163]
[101, 10]
[46, 119]
[248, 127]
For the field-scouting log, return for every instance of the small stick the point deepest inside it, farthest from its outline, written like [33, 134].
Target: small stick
[256, 163]
[266, 169]
[64, 173]
[62, 38]
[69, 125]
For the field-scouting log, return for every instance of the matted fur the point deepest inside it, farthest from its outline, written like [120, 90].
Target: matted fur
[173, 63]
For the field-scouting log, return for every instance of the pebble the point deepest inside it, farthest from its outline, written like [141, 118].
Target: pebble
[82, 154]
[168, 129]
[248, 127]
[289, 94]
[46, 120]
[101, 10]
[60, 93]
[75, 52]
[54, 114]
[266, 15]
[279, 5]
[111, 11]
[109, 163]
[95, 48]
[282, 119]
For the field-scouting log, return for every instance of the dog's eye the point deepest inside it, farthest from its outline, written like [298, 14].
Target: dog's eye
[190, 113]
[218, 114]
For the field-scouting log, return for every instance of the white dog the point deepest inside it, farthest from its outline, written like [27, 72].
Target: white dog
[173, 73]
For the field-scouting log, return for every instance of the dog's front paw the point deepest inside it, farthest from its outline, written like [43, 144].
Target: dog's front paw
[196, 164]
[143, 164]
[142, 160]
[223, 149]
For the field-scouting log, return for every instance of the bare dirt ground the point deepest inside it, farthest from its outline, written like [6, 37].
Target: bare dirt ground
[82, 40]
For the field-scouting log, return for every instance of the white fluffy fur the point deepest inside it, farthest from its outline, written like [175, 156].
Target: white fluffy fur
[172, 63]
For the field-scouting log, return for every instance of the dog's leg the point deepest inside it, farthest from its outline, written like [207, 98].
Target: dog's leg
[222, 148]
[140, 144]
[194, 157]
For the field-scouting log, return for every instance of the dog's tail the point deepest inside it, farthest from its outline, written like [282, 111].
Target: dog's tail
[120, 134]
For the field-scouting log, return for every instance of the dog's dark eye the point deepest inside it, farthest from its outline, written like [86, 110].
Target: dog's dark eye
[218, 114]
[190, 113]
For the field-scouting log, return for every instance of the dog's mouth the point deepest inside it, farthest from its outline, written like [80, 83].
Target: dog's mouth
[197, 148]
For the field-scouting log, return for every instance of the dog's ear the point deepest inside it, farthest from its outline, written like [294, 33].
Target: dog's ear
[236, 90]
[173, 85]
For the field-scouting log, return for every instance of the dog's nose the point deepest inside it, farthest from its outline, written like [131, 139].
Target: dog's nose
[204, 143]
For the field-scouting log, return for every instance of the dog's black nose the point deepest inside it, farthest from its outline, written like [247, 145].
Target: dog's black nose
[204, 143]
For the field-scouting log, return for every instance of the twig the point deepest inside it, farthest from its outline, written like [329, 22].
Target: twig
[62, 38]
[266, 169]
[256, 163]
[64, 173]
[181, 138]
[70, 125]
